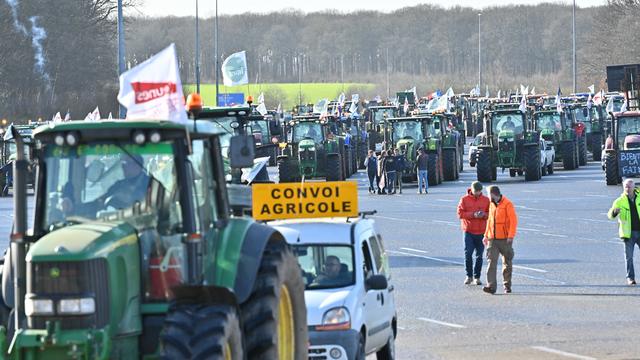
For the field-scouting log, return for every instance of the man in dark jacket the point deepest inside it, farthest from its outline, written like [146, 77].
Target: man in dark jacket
[390, 168]
[423, 165]
[473, 210]
[371, 164]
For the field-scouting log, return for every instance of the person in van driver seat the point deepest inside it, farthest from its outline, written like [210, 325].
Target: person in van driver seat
[333, 273]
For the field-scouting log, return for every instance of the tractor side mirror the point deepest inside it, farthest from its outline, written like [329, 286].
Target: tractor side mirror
[275, 128]
[585, 112]
[95, 171]
[241, 151]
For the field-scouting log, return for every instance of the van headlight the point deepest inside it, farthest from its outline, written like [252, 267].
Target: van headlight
[81, 306]
[336, 319]
[38, 307]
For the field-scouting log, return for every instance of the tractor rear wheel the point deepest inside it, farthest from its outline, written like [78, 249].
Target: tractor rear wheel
[531, 163]
[432, 169]
[568, 155]
[582, 155]
[611, 169]
[275, 315]
[334, 168]
[596, 146]
[449, 163]
[550, 169]
[199, 331]
[513, 172]
[484, 167]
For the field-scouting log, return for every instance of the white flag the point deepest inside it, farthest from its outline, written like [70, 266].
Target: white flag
[67, 117]
[610, 105]
[523, 105]
[526, 91]
[533, 91]
[450, 93]
[597, 98]
[443, 103]
[592, 88]
[153, 90]
[95, 115]
[624, 105]
[57, 117]
[355, 98]
[589, 102]
[89, 117]
[321, 107]
[279, 110]
[522, 89]
[487, 90]
[262, 109]
[406, 104]
[341, 99]
[261, 98]
[110, 116]
[499, 93]
[234, 69]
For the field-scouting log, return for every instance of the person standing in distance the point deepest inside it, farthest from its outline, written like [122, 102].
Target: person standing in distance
[627, 209]
[498, 238]
[473, 210]
[371, 164]
[423, 166]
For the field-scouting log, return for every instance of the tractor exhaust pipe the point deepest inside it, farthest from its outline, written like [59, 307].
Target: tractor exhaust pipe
[20, 170]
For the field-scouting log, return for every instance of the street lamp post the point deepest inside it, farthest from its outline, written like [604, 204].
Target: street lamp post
[217, 57]
[197, 51]
[121, 67]
[574, 48]
[479, 54]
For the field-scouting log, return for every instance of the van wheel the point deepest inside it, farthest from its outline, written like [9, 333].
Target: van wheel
[388, 352]
[360, 354]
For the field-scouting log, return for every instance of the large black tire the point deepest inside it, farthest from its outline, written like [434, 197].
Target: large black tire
[360, 350]
[449, 163]
[388, 352]
[484, 167]
[201, 331]
[550, 168]
[532, 163]
[513, 172]
[596, 146]
[334, 168]
[611, 169]
[432, 169]
[582, 154]
[278, 276]
[287, 171]
[568, 155]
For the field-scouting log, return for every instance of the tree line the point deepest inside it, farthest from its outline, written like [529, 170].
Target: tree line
[424, 46]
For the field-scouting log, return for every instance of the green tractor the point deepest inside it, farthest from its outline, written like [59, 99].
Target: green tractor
[508, 143]
[313, 150]
[266, 131]
[452, 144]
[407, 135]
[376, 116]
[8, 154]
[593, 134]
[134, 253]
[557, 128]
[623, 149]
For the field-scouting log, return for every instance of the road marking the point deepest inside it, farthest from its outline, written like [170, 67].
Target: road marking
[427, 257]
[416, 250]
[445, 200]
[443, 222]
[562, 353]
[529, 268]
[457, 326]
[540, 278]
[555, 235]
[528, 229]
[401, 328]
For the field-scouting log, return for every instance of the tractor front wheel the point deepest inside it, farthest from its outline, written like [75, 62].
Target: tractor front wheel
[532, 163]
[484, 167]
[334, 168]
[286, 171]
[275, 315]
[582, 155]
[568, 155]
[596, 146]
[432, 169]
[450, 163]
[198, 331]
[611, 169]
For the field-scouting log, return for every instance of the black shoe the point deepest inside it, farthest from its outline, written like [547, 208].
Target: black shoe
[488, 290]
[507, 289]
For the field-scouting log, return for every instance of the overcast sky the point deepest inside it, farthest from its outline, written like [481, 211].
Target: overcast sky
[187, 7]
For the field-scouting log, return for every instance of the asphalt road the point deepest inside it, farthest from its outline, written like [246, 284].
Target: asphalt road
[569, 295]
[569, 299]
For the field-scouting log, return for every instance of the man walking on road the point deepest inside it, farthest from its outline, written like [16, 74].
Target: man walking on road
[498, 237]
[423, 165]
[371, 164]
[390, 169]
[627, 209]
[473, 210]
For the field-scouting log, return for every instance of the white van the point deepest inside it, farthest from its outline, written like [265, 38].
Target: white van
[350, 306]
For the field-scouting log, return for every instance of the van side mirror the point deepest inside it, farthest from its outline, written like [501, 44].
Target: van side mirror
[241, 151]
[376, 282]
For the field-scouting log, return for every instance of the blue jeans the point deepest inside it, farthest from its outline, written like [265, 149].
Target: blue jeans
[423, 180]
[629, 244]
[372, 181]
[473, 242]
[391, 181]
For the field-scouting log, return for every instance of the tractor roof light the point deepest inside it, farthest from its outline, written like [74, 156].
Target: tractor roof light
[59, 140]
[155, 136]
[139, 137]
[72, 138]
[249, 100]
[194, 103]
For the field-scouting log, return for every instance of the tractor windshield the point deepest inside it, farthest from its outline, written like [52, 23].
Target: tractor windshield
[627, 125]
[407, 129]
[585, 116]
[326, 267]
[223, 124]
[96, 181]
[380, 114]
[307, 130]
[548, 121]
[507, 122]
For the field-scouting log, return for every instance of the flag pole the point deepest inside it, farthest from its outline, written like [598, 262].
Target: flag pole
[574, 48]
[121, 67]
[217, 56]
[197, 50]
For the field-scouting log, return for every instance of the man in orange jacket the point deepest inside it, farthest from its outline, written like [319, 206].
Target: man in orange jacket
[498, 237]
[473, 210]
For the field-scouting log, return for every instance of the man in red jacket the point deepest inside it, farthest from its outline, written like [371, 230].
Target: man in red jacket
[473, 210]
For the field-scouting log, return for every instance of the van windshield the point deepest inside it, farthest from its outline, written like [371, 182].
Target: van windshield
[326, 266]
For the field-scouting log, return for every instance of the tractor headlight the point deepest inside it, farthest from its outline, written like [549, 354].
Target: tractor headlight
[81, 306]
[311, 149]
[38, 307]
[336, 319]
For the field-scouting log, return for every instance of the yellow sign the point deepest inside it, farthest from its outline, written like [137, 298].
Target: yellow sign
[305, 200]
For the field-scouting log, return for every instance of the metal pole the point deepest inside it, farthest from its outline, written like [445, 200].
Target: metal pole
[217, 56]
[479, 55]
[121, 67]
[388, 86]
[574, 47]
[197, 51]
[300, 79]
